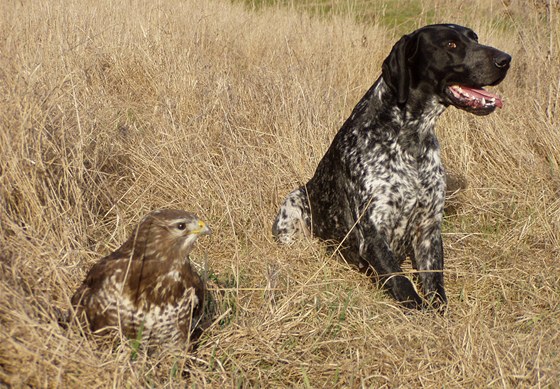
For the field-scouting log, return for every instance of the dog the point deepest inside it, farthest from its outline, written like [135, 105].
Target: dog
[378, 193]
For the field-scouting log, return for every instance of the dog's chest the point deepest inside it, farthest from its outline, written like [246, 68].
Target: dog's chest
[402, 188]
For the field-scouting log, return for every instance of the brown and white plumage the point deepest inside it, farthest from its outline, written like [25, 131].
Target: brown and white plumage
[148, 284]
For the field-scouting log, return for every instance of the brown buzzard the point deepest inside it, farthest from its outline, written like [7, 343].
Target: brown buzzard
[148, 285]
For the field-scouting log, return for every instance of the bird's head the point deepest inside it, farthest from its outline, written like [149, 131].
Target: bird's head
[171, 231]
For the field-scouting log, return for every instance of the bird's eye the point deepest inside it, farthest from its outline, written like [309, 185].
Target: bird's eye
[181, 226]
[451, 45]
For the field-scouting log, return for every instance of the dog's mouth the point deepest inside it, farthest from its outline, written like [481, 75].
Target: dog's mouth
[476, 100]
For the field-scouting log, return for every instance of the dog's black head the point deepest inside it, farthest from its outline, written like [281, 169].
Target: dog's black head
[446, 60]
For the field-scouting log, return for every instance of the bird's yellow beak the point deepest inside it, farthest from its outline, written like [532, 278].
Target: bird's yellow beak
[202, 229]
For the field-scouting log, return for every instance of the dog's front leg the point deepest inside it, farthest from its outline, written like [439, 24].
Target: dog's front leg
[378, 254]
[428, 253]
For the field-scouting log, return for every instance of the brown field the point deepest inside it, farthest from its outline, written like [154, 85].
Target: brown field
[110, 109]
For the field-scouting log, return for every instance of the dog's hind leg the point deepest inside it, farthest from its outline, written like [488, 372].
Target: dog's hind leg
[293, 218]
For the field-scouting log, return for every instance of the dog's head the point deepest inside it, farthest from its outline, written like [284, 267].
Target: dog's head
[446, 60]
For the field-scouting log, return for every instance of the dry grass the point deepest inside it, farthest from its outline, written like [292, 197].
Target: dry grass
[110, 109]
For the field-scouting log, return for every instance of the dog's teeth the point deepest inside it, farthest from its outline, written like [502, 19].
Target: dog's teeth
[483, 101]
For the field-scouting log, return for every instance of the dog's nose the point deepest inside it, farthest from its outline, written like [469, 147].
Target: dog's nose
[502, 60]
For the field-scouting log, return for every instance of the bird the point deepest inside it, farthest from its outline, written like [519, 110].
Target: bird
[147, 287]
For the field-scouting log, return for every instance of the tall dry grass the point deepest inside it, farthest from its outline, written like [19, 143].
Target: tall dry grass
[110, 109]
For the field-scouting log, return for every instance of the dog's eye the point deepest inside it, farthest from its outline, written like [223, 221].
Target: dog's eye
[451, 45]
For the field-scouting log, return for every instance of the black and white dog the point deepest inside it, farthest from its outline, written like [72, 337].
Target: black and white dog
[379, 190]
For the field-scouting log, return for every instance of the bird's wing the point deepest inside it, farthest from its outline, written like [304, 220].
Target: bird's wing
[99, 274]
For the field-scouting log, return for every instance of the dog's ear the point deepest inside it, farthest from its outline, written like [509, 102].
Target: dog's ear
[396, 69]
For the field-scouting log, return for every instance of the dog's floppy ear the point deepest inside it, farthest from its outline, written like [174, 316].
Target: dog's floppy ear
[396, 67]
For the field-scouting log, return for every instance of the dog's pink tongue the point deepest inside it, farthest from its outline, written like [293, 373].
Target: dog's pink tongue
[481, 93]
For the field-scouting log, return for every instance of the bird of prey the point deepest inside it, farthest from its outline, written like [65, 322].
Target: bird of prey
[148, 286]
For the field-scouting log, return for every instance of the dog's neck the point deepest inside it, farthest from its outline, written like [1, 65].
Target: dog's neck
[412, 122]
